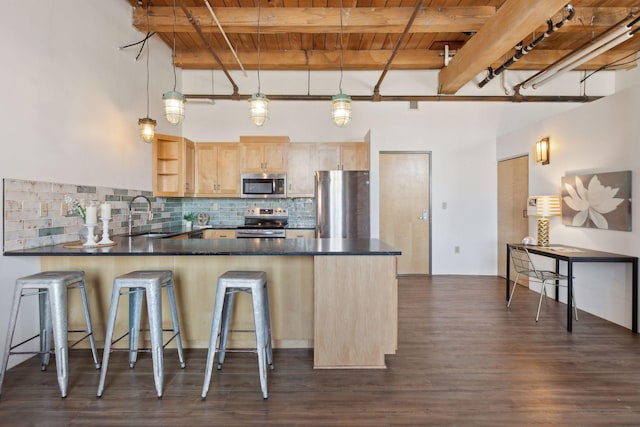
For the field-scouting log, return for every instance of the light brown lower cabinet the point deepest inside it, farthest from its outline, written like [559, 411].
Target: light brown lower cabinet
[345, 307]
[219, 233]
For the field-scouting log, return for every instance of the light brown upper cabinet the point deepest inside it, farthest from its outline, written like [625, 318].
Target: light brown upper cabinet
[343, 156]
[261, 154]
[173, 166]
[301, 161]
[212, 169]
[217, 173]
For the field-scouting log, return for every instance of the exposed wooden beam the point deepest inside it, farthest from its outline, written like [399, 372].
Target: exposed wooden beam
[513, 22]
[318, 19]
[314, 20]
[315, 60]
[417, 59]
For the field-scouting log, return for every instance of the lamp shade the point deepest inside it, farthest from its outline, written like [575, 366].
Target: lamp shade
[542, 151]
[173, 106]
[147, 129]
[548, 206]
[341, 109]
[259, 109]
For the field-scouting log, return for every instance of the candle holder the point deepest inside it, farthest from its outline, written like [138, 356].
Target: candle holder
[91, 238]
[105, 231]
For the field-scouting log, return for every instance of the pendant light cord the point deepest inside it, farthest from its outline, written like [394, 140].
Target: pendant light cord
[173, 57]
[148, 54]
[341, 30]
[258, 46]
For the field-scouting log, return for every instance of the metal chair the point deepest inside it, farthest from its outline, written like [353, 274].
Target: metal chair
[135, 284]
[522, 264]
[51, 288]
[230, 283]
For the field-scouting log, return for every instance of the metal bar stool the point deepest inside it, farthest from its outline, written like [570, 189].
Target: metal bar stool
[51, 288]
[135, 284]
[231, 282]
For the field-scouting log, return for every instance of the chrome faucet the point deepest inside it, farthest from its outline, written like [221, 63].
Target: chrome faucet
[149, 212]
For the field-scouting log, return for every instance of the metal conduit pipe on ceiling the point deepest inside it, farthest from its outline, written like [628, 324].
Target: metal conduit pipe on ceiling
[196, 27]
[424, 98]
[376, 89]
[616, 34]
[521, 51]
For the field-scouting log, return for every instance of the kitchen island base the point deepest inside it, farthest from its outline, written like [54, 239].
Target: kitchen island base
[345, 307]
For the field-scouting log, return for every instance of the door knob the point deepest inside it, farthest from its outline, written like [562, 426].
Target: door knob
[425, 215]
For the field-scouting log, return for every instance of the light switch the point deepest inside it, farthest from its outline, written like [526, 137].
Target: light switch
[444, 205]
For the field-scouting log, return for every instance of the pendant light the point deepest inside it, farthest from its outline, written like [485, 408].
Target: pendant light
[259, 103]
[174, 101]
[341, 103]
[147, 125]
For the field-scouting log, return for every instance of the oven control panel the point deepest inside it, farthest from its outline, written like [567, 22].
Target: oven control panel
[256, 212]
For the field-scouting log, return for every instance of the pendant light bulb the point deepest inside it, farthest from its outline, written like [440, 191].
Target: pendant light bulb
[173, 106]
[341, 105]
[147, 129]
[259, 109]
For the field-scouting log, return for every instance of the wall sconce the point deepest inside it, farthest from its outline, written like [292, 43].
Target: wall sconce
[542, 151]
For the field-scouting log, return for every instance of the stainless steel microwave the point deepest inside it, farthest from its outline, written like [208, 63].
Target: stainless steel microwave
[263, 185]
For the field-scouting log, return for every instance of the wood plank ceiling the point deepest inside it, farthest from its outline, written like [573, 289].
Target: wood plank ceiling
[305, 34]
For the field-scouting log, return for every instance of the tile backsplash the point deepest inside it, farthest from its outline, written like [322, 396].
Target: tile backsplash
[36, 214]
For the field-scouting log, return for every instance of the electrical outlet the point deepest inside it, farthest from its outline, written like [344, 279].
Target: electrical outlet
[456, 249]
[214, 206]
[42, 209]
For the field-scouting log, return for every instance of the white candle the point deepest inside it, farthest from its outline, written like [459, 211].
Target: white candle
[91, 215]
[105, 211]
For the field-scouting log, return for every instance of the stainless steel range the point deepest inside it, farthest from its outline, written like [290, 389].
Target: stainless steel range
[263, 223]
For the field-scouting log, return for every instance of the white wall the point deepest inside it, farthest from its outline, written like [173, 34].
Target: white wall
[603, 136]
[72, 101]
[460, 136]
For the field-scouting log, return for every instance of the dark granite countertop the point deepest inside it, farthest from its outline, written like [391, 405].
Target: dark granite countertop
[146, 246]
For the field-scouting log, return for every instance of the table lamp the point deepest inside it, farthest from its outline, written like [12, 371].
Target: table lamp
[546, 206]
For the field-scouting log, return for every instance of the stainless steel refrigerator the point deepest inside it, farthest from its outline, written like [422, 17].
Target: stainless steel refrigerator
[342, 204]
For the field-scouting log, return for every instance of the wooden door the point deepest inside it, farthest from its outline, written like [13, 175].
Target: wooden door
[206, 167]
[275, 157]
[300, 170]
[328, 156]
[228, 169]
[189, 167]
[405, 206]
[355, 156]
[252, 157]
[513, 192]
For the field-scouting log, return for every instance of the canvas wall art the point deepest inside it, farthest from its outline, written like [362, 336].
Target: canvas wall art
[597, 200]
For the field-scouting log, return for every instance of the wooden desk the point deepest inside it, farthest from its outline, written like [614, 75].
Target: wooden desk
[571, 255]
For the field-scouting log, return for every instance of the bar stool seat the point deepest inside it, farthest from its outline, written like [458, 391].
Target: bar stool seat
[231, 282]
[135, 284]
[51, 288]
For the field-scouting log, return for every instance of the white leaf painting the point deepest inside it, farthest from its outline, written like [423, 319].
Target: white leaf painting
[588, 206]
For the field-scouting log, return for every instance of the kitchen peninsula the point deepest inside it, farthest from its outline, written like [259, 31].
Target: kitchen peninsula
[337, 296]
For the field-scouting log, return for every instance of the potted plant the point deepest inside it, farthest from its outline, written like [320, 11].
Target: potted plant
[188, 219]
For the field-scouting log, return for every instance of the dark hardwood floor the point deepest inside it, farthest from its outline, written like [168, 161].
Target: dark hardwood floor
[463, 359]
